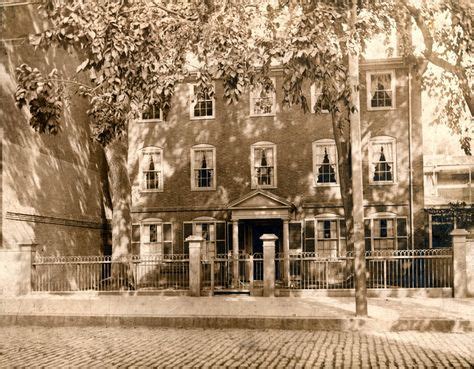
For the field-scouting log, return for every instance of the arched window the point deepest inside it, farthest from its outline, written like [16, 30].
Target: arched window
[203, 167]
[382, 159]
[263, 169]
[151, 169]
[325, 162]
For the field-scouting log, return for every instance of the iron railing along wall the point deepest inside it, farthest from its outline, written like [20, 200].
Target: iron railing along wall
[104, 273]
[428, 268]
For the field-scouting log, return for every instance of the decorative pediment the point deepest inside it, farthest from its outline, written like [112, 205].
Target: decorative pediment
[260, 199]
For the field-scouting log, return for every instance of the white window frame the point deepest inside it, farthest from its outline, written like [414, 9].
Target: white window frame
[193, 101]
[380, 140]
[369, 89]
[210, 247]
[203, 147]
[254, 180]
[153, 120]
[388, 216]
[315, 94]
[340, 240]
[159, 244]
[324, 143]
[254, 95]
[143, 152]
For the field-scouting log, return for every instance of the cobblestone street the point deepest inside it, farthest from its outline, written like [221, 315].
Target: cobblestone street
[73, 346]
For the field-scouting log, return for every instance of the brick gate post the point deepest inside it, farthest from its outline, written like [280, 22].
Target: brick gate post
[195, 243]
[268, 264]
[459, 262]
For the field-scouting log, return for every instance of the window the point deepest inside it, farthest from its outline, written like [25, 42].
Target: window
[203, 168]
[385, 232]
[151, 169]
[213, 232]
[202, 105]
[262, 102]
[382, 160]
[441, 227]
[380, 90]
[325, 162]
[318, 101]
[325, 235]
[263, 158]
[151, 114]
[152, 237]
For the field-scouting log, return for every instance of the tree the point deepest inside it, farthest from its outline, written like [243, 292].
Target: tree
[135, 52]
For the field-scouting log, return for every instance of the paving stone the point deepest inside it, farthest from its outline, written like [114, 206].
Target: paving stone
[167, 347]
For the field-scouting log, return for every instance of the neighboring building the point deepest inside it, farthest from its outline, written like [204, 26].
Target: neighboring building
[448, 181]
[234, 172]
[51, 186]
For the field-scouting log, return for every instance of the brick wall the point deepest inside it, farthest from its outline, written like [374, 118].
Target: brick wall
[52, 191]
[233, 131]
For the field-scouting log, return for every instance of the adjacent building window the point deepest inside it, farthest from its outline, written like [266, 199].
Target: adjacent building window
[151, 114]
[380, 90]
[386, 232]
[325, 235]
[319, 102]
[262, 102]
[203, 167]
[325, 162]
[263, 158]
[382, 153]
[202, 104]
[151, 169]
[212, 231]
[152, 237]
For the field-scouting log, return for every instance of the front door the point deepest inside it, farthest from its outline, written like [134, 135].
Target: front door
[261, 227]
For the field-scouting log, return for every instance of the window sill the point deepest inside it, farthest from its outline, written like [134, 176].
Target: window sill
[151, 191]
[262, 115]
[326, 185]
[142, 121]
[383, 183]
[207, 117]
[194, 189]
[381, 108]
[263, 187]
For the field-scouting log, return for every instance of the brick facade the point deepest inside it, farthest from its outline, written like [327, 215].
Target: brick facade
[232, 131]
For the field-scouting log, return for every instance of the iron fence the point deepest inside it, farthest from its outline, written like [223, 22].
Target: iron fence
[427, 268]
[104, 273]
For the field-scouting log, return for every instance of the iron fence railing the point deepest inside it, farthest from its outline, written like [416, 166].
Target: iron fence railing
[104, 273]
[427, 268]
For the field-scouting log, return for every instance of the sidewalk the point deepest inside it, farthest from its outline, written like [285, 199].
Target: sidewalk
[237, 311]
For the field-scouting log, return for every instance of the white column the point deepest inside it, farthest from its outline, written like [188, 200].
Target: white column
[195, 243]
[286, 253]
[269, 264]
[235, 253]
[459, 262]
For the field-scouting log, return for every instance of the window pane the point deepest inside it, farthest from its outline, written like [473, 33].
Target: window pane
[309, 229]
[220, 231]
[167, 232]
[135, 233]
[187, 230]
[309, 245]
[401, 227]
[295, 235]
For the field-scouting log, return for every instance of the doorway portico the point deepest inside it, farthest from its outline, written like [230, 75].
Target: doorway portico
[260, 212]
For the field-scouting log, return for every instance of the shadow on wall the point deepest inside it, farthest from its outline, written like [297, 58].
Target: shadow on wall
[45, 177]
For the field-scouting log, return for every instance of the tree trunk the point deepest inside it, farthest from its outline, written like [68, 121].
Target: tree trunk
[120, 189]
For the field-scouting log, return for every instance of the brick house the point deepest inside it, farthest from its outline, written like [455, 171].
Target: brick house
[234, 172]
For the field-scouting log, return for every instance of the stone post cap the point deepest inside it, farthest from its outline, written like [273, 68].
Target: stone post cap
[459, 232]
[268, 237]
[194, 238]
[24, 245]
